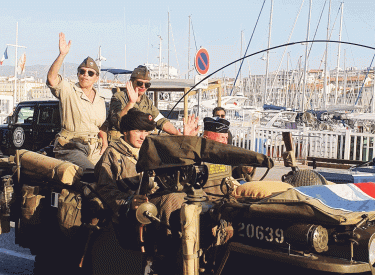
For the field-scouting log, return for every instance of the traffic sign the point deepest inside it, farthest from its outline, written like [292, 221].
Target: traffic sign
[203, 84]
[202, 61]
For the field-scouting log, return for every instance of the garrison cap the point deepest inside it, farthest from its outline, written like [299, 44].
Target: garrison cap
[141, 72]
[89, 63]
[137, 120]
[216, 124]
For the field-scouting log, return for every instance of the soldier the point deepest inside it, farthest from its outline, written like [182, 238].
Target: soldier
[134, 97]
[83, 137]
[217, 129]
[117, 184]
[246, 172]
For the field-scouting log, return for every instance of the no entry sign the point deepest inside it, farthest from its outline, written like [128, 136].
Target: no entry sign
[202, 61]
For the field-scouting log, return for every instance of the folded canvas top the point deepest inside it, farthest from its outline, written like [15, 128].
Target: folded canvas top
[173, 151]
[342, 204]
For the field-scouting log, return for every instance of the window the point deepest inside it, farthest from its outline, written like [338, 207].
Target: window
[45, 115]
[25, 115]
[48, 115]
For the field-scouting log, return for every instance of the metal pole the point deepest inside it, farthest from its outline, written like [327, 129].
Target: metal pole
[338, 53]
[125, 37]
[160, 54]
[326, 58]
[268, 52]
[241, 91]
[15, 69]
[189, 49]
[199, 102]
[168, 44]
[345, 77]
[100, 66]
[305, 69]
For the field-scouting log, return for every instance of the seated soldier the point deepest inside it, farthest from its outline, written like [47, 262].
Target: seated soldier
[217, 129]
[118, 182]
[134, 96]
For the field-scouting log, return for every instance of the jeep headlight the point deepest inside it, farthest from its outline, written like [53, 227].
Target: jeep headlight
[371, 250]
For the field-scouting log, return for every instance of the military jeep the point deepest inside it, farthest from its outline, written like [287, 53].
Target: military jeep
[312, 229]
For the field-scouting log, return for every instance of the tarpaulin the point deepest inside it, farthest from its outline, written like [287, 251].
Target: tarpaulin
[333, 204]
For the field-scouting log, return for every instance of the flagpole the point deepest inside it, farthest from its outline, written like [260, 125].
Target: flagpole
[15, 67]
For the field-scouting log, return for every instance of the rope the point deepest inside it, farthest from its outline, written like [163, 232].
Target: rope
[262, 51]
[286, 48]
[174, 44]
[251, 38]
[364, 80]
[196, 48]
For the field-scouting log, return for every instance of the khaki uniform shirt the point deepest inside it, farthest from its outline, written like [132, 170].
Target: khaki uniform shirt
[217, 172]
[77, 113]
[117, 179]
[120, 99]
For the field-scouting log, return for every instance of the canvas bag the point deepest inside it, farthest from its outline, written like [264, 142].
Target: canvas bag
[69, 210]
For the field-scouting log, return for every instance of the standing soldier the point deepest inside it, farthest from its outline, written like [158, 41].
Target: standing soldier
[82, 138]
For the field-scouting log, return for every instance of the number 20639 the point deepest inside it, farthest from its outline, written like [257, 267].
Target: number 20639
[259, 232]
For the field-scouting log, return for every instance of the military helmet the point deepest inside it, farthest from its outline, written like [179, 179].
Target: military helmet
[304, 177]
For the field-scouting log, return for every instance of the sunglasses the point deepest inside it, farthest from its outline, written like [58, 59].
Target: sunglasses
[222, 116]
[90, 73]
[140, 84]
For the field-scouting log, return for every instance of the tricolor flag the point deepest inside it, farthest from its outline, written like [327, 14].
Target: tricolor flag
[333, 204]
[353, 197]
[5, 56]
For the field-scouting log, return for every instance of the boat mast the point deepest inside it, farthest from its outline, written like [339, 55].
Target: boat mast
[189, 49]
[99, 61]
[286, 81]
[305, 68]
[268, 57]
[125, 37]
[168, 44]
[325, 60]
[338, 53]
[15, 66]
[241, 91]
[345, 77]
[160, 39]
[148, 39]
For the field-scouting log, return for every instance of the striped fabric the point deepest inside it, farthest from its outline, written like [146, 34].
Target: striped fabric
[352, 197]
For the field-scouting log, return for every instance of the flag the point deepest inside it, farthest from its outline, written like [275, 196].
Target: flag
[21, 64]
[353, 197]
[5, 56]
[333, 204]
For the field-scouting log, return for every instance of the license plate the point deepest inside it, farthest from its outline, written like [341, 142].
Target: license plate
[261, 233]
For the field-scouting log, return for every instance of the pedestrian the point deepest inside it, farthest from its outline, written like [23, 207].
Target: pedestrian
[83, 138]
[133, 96]
[220, 112]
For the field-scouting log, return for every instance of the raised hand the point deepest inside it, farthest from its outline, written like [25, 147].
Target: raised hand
[138, 200]
[191, 127]
[133, 95]
[63, 46]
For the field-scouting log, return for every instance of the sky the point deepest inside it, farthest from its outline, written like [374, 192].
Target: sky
[219, 26]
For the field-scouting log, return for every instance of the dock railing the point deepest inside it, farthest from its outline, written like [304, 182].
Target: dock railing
[307, 143]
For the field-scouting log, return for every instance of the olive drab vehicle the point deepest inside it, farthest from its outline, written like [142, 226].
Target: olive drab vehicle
[294, 230]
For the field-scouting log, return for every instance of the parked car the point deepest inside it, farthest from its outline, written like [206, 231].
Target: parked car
[32, 126]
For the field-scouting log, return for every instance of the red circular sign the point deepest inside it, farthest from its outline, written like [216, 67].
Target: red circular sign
[202, 61]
